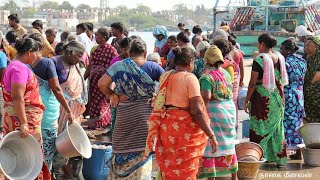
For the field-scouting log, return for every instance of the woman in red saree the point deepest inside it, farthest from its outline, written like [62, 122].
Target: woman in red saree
[23, 108]
[99, 108]
[179, 122]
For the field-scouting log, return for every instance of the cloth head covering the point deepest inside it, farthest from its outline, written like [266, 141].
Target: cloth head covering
[303, 31]
[220, 34]
[213, 55]
[314, 39]
[201, 46]
[160, 30]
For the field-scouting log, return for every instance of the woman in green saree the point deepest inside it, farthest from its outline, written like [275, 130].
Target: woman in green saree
[266, 97]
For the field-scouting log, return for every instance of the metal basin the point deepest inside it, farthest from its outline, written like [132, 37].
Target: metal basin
[311, 156]
[310, 135]
[20, 158]
[73, 142]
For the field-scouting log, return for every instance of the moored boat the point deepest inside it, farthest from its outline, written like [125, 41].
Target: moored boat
[280, 20]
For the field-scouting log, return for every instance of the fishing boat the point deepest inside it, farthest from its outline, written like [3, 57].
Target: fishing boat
[279, 18]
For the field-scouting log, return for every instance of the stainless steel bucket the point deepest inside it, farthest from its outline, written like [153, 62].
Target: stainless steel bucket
[73, 142]
[20, 158]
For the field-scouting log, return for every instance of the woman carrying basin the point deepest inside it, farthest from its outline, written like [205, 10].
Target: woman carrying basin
[23, 108]
[74, 91]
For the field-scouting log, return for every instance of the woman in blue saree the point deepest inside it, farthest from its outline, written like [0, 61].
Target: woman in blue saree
[293, 92]
[52, 96]
[134, 78]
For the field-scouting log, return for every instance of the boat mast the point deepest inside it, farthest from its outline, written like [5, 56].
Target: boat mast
[267, 14]
[215, 15]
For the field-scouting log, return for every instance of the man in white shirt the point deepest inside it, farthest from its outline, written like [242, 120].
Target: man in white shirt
[83, 38]
[90, 33]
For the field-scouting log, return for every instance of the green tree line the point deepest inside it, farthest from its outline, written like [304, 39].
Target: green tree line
[140, 17]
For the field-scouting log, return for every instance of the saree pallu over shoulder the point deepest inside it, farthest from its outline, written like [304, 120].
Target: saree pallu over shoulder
[180, 142]
[34, 111]
[33, 107]
[131, 129]
[131, 80]
[75, 93]
[221, 83]
[266, 119]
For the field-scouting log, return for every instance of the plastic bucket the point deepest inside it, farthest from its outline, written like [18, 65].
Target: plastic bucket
[245, 128]
[242, 97]
[95, 168]
[20, 158]
[73, 142]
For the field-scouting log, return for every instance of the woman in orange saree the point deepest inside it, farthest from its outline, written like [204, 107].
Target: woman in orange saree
[179, 121]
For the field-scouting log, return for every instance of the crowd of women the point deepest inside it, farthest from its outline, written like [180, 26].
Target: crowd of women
[179, 102]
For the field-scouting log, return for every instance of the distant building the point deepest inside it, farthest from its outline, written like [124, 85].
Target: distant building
[4, 16]
[88, 15]
[64, 24]
[42, 14]
[27, 22]
[103, 14]
[62, 19]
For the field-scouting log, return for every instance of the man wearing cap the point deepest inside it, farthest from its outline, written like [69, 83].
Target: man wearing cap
[15, 26]
[303, 33]
[199, 64]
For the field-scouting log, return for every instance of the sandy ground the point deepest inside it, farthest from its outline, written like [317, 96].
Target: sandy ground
[247, 71]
